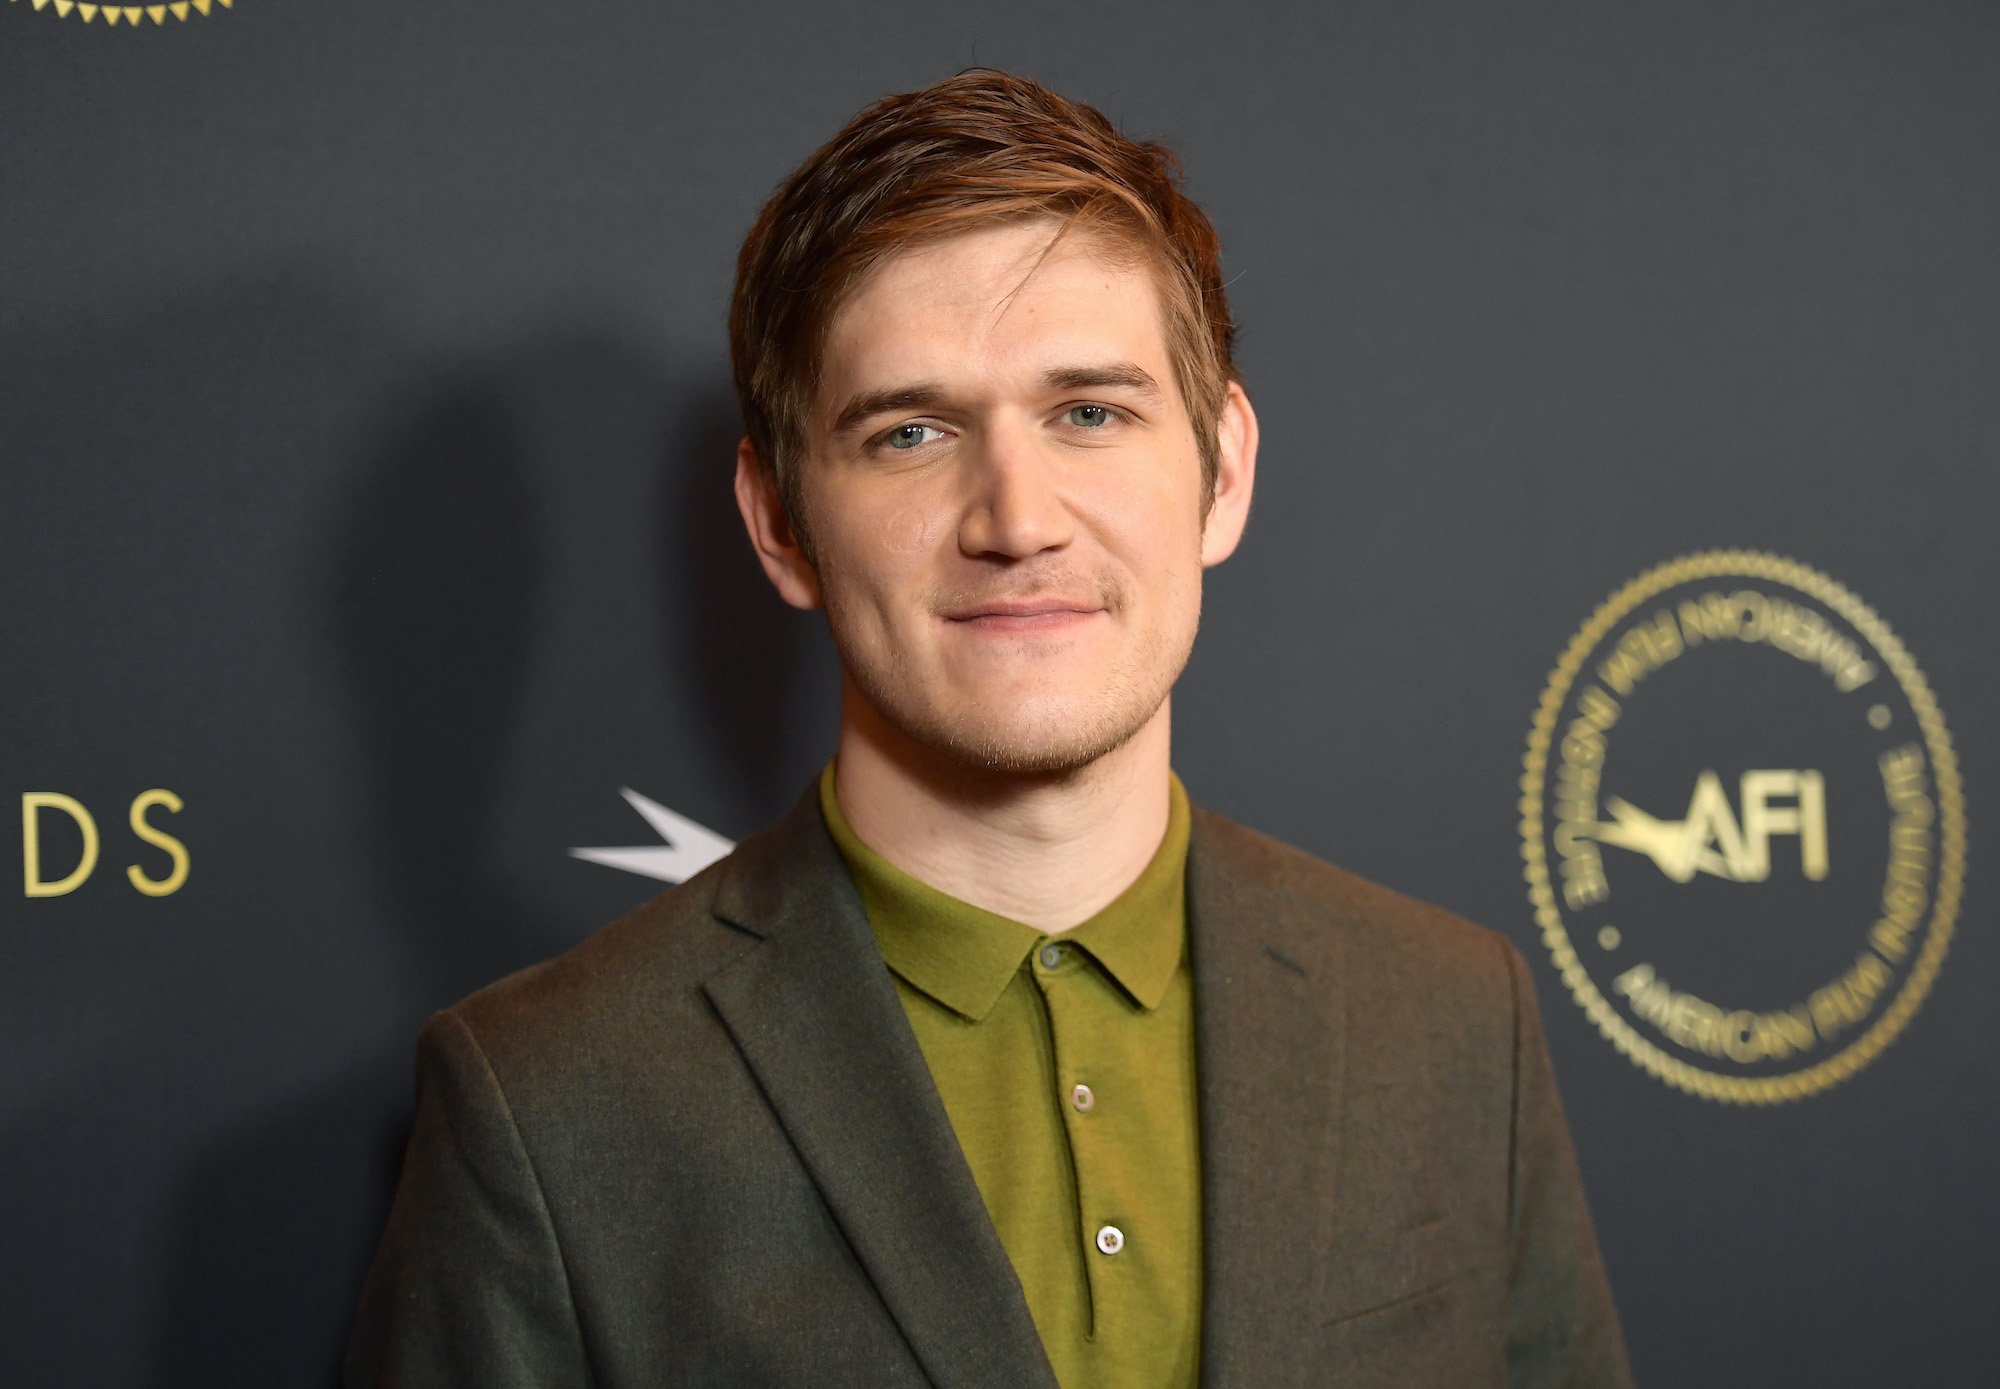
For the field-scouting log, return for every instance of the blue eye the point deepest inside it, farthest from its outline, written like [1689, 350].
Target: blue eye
[909, 436]
[1089, 416]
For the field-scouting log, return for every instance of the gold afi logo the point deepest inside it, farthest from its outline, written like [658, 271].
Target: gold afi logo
[134, 15]
[1710, 839]
[1777, 934]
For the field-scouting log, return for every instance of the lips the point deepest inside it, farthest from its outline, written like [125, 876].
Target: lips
[1025, 607]
[1041, 614]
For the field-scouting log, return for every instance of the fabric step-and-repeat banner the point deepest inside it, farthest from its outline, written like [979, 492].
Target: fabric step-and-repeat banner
[377, 620]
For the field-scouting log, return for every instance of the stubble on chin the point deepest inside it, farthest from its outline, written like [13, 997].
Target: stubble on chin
[1042, 743]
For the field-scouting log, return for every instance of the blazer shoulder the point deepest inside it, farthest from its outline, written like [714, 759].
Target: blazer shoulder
[1377, 925]
[643, 969]
[634, 987]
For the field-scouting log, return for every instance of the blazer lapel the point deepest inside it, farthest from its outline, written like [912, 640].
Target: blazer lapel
[815, 1013]
[1269, 997]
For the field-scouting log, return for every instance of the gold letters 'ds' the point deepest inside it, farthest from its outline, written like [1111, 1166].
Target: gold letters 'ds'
[35, 884]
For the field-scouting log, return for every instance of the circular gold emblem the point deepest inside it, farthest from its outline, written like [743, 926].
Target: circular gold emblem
[134, 15]
[1743, 827]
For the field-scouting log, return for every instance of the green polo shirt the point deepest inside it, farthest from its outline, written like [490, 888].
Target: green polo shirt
[1066, 1065]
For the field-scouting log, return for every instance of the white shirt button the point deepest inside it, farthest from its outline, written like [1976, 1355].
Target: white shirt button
[1051, 956]
[1082, 1097]
[1110, 1239]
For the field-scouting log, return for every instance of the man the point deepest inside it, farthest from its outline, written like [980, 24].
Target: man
[994, 1063]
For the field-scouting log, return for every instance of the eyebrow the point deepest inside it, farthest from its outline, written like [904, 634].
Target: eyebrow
[921, 396]
[925, 395]
[1123, 375]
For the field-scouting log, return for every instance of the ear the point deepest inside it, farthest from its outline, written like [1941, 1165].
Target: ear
[785, 563]
[1236, 470]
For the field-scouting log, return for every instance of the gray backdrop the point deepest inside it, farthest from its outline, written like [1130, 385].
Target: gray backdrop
[365, 437]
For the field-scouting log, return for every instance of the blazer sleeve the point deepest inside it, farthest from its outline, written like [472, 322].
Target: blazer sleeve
[1563, 1330]
[468, 1287]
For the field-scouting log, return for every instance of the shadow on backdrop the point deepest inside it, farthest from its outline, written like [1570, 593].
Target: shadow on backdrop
[747, 652]
[430, 608]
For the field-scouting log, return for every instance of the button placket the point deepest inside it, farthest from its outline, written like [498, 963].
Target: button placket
[1069, 1032]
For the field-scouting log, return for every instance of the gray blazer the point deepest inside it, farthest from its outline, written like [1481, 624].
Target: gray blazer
[703, 1148]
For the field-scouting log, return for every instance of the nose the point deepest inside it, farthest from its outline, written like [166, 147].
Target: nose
[1015, 508]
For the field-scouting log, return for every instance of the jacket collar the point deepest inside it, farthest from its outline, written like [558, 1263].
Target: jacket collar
[1270, 1016]
[815, 1014]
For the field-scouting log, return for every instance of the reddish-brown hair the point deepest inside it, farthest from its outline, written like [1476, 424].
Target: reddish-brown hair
[971, 150]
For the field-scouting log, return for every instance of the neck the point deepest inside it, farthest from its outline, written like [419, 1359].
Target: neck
[1047, 849]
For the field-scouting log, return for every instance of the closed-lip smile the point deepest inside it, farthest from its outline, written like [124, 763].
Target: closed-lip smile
[1024, 614]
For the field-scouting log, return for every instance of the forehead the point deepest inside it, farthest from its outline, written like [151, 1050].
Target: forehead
[995, 301]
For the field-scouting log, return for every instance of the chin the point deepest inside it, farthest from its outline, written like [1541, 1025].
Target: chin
[1054, 739]
[1054, 753]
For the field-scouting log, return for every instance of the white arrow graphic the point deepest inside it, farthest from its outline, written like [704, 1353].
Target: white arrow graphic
[687, 848]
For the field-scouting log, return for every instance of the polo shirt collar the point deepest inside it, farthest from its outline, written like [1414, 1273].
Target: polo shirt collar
[964, 956]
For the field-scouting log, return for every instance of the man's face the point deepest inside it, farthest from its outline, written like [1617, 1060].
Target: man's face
[1004, 495]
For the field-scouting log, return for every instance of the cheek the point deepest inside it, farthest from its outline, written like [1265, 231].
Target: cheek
[880, 547]
[911, 528]
[1155, 527]
[904, 523]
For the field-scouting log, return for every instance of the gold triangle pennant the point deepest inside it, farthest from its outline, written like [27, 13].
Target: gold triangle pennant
[115, 14]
